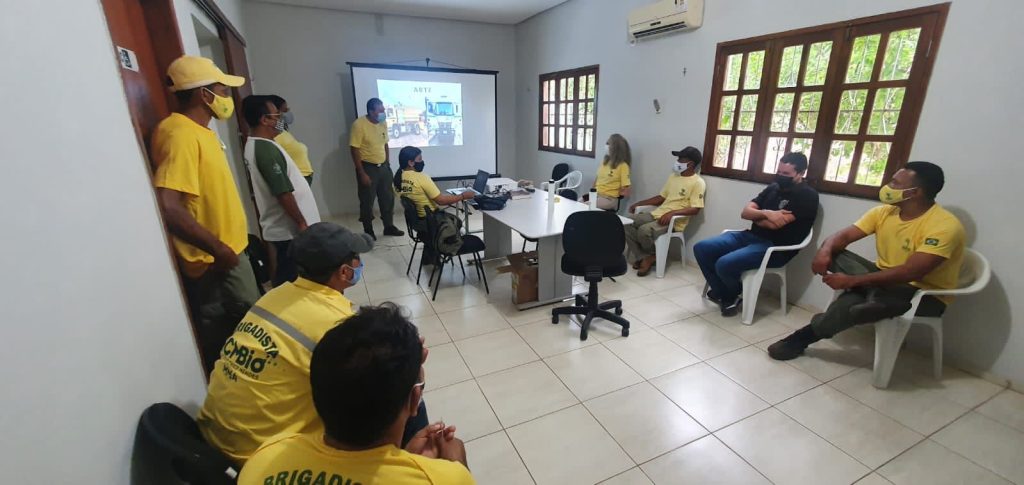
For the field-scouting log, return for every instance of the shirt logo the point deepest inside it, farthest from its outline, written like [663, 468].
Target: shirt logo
[931, 242]
[682, 192]
[906, 245]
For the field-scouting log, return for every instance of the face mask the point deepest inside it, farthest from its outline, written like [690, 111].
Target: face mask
[289, 119]
[889, 195]
[382, 118]
[280, 125]
[679, 168]
[357, 274]
[418, 166]
[784, 181]
[222, 106]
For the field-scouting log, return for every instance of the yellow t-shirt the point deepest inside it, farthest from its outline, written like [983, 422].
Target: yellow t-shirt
[190, 159]
[306, 459]
[297, 150]
[370, 139]
[937, 232]
[680, 193]
[421, 190]
[260, 387]
[610, 181]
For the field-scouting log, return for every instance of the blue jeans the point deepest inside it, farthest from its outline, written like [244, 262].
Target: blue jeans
[725, 257]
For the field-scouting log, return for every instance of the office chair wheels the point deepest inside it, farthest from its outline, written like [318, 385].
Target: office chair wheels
[554, 319]
[625, 332]
[618, 311]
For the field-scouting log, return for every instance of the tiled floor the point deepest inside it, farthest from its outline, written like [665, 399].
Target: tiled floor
[689, 396]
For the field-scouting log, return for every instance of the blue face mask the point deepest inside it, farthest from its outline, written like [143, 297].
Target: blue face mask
[382, 118]
[418, 166]
[357, 273]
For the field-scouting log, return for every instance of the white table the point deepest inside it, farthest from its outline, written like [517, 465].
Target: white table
[529, 217]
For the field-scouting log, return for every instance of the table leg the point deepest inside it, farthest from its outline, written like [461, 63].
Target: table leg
[497, 239]
[552, 283]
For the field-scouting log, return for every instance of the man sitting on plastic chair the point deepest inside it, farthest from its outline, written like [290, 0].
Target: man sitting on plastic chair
[782, 215]
[920, 245]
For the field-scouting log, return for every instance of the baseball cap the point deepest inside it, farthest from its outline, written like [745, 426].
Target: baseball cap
[188, 72]
[323, 247]
[690, 153]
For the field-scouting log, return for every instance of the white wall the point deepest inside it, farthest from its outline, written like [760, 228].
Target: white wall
[300, 54]
[968, 124]
[95, 327]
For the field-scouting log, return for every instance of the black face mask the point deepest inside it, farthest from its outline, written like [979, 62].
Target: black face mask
[417, 166]
[784, 181]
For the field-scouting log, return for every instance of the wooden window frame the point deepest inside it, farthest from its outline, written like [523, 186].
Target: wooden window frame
[930, 19]
[577, 101]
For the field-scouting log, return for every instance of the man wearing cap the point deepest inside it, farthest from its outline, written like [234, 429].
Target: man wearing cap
[260, 384]
[682, 195]
[200, 204]
[368, 142]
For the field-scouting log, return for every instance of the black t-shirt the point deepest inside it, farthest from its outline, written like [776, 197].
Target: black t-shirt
[801, 200]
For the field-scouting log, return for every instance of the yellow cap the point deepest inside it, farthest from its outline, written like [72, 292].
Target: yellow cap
[188, 72]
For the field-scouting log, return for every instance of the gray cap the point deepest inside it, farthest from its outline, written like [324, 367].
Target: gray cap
[324, 246]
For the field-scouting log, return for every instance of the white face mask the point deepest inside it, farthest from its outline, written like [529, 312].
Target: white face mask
[679, 167]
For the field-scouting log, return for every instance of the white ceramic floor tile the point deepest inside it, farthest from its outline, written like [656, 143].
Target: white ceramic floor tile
[592, 371]
[915, 407]
[462, 405]
[1007, 408]
[495, 351]
[432, 330]
[701, 337]
[863, 433]
[655, 310]
[704, 461]
[644, 422]
[494, 460]
[691, 299]
[455, 297]
[603, 330]
[988, 443]
[470, 322]
[763, 328]
[380, 291]
[414, 306]
[770, 379]
[444, 367]
[787, 453]
[829, 359]
[568, 447]
[548, 339]
[620, 290]
[794, 318]
[522, 393]
[711, 398]
[518, 317]
[930, 463]
[671, 281]
[651, 354]
[873, 479]
[634, 476]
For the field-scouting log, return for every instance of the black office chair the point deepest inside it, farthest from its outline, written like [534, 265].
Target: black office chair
[593, 242]
[560, 171]
[179, 444]
[471, 244]
[414, 226]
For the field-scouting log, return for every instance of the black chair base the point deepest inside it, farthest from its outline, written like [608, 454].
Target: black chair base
[591, 309]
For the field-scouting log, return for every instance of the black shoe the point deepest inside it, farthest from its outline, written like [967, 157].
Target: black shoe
[369, 230]
[712, 297]
[731, 309]
[794, 345]
[393, 231]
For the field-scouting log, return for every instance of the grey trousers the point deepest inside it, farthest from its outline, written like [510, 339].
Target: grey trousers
[381, 189]
[895, 299]
[218, 301]
[641, 234]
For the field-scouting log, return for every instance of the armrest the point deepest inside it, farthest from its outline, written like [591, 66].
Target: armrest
[645, 208]
[672, 224]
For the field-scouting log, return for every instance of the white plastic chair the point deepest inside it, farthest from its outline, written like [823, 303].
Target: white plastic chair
[664, 242]
[752, 278]
[891, 332]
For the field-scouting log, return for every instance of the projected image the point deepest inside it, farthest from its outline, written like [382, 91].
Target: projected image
[421, 113]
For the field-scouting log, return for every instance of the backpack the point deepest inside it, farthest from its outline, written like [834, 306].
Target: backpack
[444, 232]
[488, 203]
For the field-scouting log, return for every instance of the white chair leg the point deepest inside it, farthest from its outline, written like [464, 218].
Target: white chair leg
[937, 350]
[751, 288]
[889, 335]
[682, 251]
[782, 292]
[661, 246]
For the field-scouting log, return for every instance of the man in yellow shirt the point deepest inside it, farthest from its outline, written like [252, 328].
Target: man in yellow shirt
[920, 245]
[295, 148]
[200, 204]
[368, 143]
[413, 184]
[367, 380]
[682, 195]
[260, 384]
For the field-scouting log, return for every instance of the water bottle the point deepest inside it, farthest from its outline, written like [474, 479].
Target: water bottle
[593, 199]
[551, 198]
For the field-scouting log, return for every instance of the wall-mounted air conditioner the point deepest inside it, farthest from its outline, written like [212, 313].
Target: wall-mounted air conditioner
[666, 16]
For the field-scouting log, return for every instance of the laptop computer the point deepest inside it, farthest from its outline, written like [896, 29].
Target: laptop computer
[479, 185]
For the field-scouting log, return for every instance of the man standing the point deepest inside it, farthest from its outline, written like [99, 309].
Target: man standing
[682, 195]
[920, 245]
[782, 215]
[283, 197]
[295, 148]
[371, 157]
[200, 204]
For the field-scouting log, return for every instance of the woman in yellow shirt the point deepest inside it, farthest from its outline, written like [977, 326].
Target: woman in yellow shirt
[413, 184]
[613, 175]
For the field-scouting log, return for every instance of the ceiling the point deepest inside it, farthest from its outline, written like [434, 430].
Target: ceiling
[491, 11]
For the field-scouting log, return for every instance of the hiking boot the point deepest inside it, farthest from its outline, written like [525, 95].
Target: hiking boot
[645, 266]
[393, 231]
[731, 309]
[792, 346]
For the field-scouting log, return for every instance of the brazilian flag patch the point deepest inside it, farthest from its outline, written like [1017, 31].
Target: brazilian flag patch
[931, 242]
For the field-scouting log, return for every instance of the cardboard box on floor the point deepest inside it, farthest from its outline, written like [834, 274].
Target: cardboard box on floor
[523, 268]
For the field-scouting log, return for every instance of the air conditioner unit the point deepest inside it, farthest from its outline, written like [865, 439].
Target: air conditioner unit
[666, 16]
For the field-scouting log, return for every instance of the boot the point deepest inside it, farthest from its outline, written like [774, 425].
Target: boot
[792, 346]
[368, 228]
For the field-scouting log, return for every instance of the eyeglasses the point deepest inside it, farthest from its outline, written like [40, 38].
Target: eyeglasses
[421, 384]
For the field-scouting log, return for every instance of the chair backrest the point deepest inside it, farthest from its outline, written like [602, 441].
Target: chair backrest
[594, 238]
[176, 437]
[569, 194]
[412, 220]
[559, 171]
[974, 273]
[573, 180]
